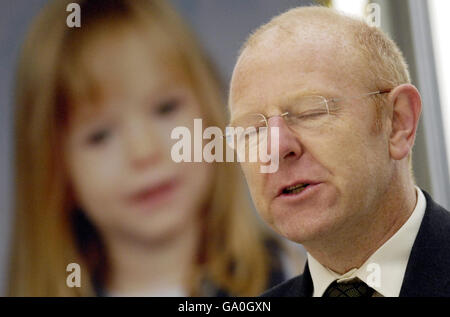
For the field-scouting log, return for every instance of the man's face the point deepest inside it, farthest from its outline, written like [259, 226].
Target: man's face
[346, 162]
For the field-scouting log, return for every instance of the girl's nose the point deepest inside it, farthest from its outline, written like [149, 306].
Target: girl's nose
[142, 144]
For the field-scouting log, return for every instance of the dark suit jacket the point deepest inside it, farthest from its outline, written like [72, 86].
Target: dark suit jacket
[428, 269]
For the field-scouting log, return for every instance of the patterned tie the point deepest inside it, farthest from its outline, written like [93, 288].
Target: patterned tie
[355, 288]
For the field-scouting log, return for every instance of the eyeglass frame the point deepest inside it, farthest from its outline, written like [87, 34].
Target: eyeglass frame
[326, 101]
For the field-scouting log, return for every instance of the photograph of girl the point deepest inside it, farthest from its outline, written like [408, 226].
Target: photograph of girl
[94, 180]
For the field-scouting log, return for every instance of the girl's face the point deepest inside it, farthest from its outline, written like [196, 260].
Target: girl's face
[118, 150]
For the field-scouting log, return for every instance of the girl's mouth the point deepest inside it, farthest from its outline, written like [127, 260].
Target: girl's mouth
[153, 194]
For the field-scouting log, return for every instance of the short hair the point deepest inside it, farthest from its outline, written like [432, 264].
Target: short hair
[387, 66]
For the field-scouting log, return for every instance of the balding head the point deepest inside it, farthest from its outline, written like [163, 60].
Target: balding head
[376, 60]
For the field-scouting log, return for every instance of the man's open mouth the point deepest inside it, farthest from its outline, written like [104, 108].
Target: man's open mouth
[291, 190]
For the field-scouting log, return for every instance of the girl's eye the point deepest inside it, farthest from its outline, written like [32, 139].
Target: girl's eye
[167, 107]
[98, 137]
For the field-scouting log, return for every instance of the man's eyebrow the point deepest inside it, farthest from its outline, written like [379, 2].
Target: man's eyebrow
[293, 97]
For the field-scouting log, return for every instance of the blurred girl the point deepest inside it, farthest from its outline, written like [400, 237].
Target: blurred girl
[95, 182]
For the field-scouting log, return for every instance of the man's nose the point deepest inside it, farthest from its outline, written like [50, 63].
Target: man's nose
[289, 144]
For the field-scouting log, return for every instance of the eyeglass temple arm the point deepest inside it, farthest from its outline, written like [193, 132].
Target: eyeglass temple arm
[386, 91]
[379, 92]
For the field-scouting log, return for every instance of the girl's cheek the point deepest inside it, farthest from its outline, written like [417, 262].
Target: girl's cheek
[93, 165]
[107, 162]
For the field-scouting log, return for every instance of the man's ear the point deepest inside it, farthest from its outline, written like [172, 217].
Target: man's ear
[406, 107]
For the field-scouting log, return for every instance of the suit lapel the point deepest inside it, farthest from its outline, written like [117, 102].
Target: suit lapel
[303, 287]
[428, 269]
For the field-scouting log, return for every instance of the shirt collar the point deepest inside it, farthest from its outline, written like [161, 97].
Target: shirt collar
[385, 268]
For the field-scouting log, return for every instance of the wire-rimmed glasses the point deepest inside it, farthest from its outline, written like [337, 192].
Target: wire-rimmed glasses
[306, 113]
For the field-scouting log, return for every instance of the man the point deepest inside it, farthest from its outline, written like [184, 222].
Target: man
[339, 92]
